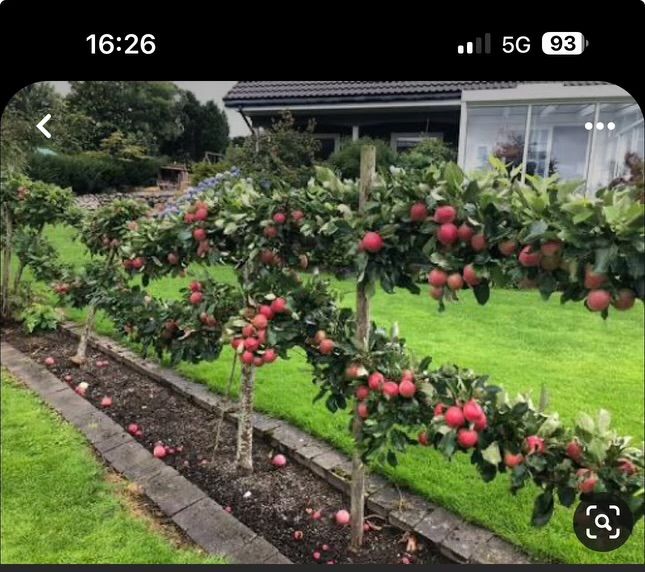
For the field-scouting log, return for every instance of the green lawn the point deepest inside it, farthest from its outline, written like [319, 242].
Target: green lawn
[57, 507]
[522, 342]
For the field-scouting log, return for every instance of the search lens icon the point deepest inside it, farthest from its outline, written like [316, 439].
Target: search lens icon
[605, 522]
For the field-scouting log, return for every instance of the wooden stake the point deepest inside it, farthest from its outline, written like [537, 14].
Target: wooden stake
[368, 167]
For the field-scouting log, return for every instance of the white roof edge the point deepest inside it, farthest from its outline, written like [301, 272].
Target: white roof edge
[545, 91]
[421, 104]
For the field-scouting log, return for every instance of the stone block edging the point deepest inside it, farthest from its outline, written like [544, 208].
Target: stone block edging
[454, 537]
[201, 518]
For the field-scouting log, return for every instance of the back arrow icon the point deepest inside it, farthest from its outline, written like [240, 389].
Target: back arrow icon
[41, 126]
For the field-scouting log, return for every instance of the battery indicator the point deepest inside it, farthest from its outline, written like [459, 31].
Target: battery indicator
[564, 43]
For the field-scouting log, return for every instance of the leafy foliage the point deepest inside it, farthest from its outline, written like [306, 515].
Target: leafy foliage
[347, 160]
[281, 153]
[426, 154]
[40, 318]
[95, 172]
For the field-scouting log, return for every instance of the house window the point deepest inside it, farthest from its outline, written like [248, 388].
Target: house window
[558, 140]
[401, 142]
[329, 142]
[593, 142]
[619, 144]
[495, 130]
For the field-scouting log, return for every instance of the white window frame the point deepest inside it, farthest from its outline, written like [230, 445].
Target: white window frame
[334, 136]
[417, 136]
[474, 104]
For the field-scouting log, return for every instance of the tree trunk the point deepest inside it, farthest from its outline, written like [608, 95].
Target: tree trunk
[244, 458]
[368, 162]
[18, 276]
[81, 350]
[6, 261]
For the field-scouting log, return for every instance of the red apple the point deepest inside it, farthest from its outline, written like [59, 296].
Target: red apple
[507, 247]
[372, 242]
[362, 392]
[512, 461]
[593, 280]
[465, 232]
[326, 346]
[279, 461]
[423, 438]
[418, 212]
[478, 243]
[455, 281]
[436, 292]
[196, 298]
[260, 321]
[173, 258]
[467, 438]
[407, 389]
[199, 234]
[470, 275]
[445, 214]
[454, 417]
[598, 300]
[342, 517]
[279, 305]
[625, 299]
[106, 402]
[528, 258]
[376, 381]
[437, 277]
[390, 389]
[159, 451]
[447, 234]
[270, 355]
[472, 411]
[534, 444]
[362, 410]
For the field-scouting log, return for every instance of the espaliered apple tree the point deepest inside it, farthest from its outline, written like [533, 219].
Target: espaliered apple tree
[437, 221]
[27, 207]
[262, 236]
[102, 233]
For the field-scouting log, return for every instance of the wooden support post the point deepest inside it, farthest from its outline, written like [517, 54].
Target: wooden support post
[368, 168]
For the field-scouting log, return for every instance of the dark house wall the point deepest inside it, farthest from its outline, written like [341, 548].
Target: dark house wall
[378, 124]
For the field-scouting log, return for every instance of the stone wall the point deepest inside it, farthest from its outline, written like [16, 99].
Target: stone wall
[152, 198]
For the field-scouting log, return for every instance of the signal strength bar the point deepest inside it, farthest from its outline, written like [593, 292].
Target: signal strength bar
[476, 47]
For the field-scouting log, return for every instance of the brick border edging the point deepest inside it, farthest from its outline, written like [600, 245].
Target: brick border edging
[454, 537]
[189, 507]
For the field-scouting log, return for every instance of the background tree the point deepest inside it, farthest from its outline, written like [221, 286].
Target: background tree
[282, 153]
[17, 126]
[204, 128]
[145, 110]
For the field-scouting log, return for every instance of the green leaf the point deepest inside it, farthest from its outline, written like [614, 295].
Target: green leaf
[543, 508]
[604, 420]
[536, 230]
[492, 454]
[482, 293]
[567, 495]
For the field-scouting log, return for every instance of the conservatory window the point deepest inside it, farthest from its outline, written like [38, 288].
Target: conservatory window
[617, 145]
[558, 140]
[495, 130]
[587, 141]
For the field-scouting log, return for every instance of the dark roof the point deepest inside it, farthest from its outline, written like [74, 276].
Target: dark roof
[247, 93]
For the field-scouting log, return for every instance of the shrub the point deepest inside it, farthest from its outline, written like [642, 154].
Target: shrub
[93, 172]
[282, 152]
[204, 170]
[347, 159]
[428, 152]
[40, 318]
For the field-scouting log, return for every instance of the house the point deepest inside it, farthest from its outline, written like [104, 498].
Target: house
[579, 129]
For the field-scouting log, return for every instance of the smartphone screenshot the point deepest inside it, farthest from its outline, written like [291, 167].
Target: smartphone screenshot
[307, 322]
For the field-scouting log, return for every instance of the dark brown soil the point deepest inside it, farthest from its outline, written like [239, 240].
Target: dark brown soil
[273, 502]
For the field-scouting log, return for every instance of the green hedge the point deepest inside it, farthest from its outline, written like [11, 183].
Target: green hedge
[93, 172]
